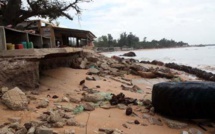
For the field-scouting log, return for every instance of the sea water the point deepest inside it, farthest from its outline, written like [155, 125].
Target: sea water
[200, 57]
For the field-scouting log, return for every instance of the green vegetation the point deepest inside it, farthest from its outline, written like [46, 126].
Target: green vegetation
[13, 12]
[130, 40]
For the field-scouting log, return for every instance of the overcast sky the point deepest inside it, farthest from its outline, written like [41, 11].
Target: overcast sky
[191, 21]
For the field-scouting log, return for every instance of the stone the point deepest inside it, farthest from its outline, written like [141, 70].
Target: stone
[65, 99]
[195, 131]
[88, 107]
[175, 124]
[106, 130]
[14, 119]
[6, 130]
[15, 125]
[31, 130]
[184, 132]
[71, 122]
[67, 108]
[155, 121]
[28, 125]
[15, 99]
[129, 54]
[83, 63]
[44, 130]
[93, 71]
[58, 125]
[104, 66]
[55, 117]
[22, 130]
[128, 111]
[44, 103]
[118, 66]
[4, 90]
[136, 122]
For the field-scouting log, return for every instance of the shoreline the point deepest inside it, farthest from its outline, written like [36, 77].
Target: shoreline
[102, 76]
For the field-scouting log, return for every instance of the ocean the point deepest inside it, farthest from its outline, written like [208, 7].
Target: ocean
[200, 57]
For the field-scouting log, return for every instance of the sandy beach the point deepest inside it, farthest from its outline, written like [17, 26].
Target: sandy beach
[61, 81]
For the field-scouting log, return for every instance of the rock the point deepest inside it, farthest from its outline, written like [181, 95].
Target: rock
[15, 125]
[35, 92]
[72, 131]
[147, 102]
[159, 63]
[31, 130]
[155, 121]
[43, 103]
[55, 117]
[124, 125]
[22, 130]
[65, 99]
[88, 107]
[43, 130]
[118, 66]
[83, 63]
[128, 111]
[55, 97]
[129, 54]
[28, 125]
[184, 132]
[175, 124]
[6, 130]
[4, 90]
[105, 66]
[106, 130]
[82, 82]
[93, 71]
[15, 99]
[93, 98]
[195, 131]
[90, 78]
[14, 119]
[71, 122]
[146, 74]
[58, 125]
[136, 122]
[67, 108]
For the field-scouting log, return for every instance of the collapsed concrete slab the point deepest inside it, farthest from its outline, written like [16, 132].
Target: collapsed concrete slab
[22, 67]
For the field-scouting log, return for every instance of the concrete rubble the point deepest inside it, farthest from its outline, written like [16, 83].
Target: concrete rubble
[62, 111]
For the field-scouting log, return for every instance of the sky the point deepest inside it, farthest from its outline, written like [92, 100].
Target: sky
[191, 21]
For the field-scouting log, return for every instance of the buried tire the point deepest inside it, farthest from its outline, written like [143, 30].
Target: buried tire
[193, 100]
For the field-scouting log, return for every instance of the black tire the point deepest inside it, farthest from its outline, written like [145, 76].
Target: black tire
[191, 100]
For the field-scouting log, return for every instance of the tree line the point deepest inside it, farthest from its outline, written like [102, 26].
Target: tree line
[131, 40]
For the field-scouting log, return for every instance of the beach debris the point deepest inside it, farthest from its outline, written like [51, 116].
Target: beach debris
[121, 99]
[15, 99]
